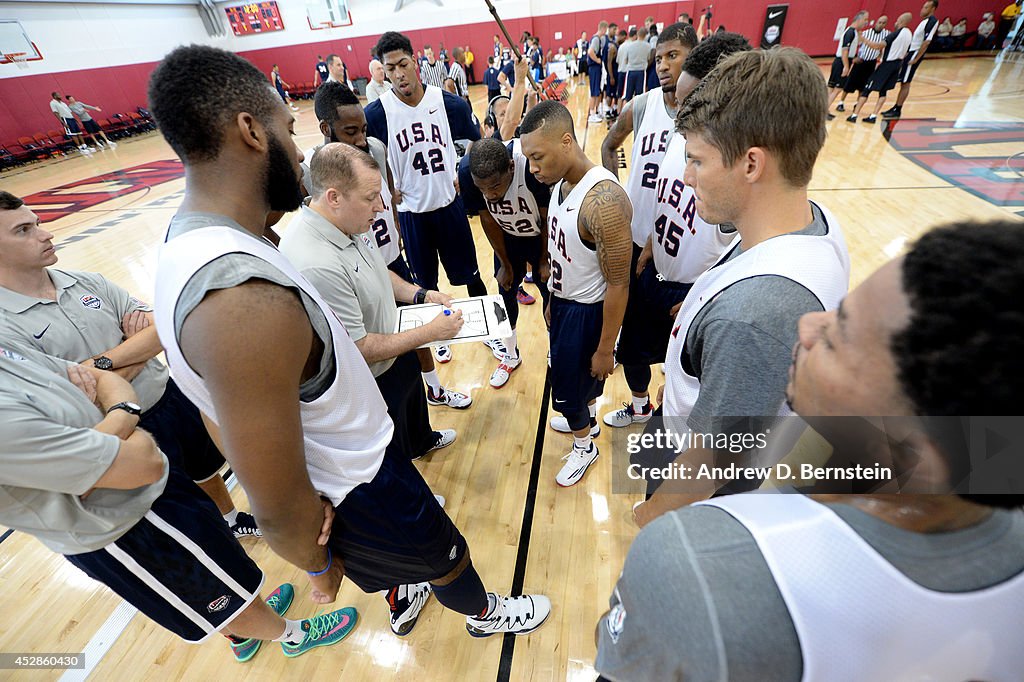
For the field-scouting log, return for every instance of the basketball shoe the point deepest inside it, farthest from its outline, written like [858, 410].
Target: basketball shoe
[576, 464]
[561, 424]
[517, 615]
[323, 630]
[501, 374]
[453, 399]
[406, 602]
[628, 415]
[279, 600]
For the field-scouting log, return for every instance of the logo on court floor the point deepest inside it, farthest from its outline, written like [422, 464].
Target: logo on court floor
[219, 604]
[90, 301]
[970, 155]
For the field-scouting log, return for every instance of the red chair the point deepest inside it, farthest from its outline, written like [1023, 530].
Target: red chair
[61, 143]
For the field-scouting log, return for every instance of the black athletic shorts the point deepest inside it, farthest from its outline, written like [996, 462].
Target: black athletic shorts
[835, 77]
[178, 428]
[392, 531]
[180, 565]
[883, 79]
[860, 73]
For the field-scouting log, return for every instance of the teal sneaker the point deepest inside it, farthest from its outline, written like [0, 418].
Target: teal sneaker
[323, 630]
[279, 600]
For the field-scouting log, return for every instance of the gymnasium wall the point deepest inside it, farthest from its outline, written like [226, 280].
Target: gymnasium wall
[103, 54]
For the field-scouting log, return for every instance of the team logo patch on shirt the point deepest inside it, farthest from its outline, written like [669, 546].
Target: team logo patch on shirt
[141, 305]
[90, 301]
[616, 621]
[219, 604]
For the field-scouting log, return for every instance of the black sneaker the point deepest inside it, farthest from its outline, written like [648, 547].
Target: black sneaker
[852, 118]
[830, 116]
[840, 107]
[869, 119]
[895, 112]
[245, 526]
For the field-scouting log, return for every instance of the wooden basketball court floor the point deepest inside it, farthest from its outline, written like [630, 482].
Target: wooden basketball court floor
[956, 155]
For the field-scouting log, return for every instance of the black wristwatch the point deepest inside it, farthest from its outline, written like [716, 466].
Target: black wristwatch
[130, 408]
[103, 362]
[420, 297]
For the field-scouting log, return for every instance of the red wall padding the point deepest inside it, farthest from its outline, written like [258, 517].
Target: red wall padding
[810, 24]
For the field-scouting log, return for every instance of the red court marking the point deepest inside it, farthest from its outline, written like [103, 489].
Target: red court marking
[930, 144]
[56, 203]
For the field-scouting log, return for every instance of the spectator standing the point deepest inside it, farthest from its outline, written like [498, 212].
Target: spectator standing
[986, 39]
[469, 65]
[377, 85]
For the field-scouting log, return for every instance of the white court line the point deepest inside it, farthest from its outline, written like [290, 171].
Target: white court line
[109, 632]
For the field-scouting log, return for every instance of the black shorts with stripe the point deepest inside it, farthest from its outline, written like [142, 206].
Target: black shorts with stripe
[883, 79]
[647, 324]
[180, 565]
[860, 73]
[392, 531]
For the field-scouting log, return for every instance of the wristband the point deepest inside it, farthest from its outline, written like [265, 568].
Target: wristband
[420, 297]
[330, 560]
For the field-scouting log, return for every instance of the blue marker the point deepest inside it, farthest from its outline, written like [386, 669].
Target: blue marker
[447, 311]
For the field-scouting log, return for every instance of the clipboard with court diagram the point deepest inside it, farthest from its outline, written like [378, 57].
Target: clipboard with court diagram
[484, 318]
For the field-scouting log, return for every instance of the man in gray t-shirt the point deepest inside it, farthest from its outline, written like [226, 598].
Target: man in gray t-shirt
[705, 594]
[92, 128]
[84, 317]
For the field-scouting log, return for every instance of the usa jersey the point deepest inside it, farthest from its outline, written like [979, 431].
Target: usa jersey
[650, 140]
[683, 245]
[575, 272]
[518, 212]
[384, 234]
[421, 147]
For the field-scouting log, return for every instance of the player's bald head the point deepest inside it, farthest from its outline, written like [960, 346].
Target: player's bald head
[549, 119]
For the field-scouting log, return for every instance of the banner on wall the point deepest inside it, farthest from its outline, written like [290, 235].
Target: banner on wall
[774, 19]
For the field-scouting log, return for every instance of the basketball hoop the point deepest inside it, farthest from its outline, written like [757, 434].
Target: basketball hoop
[20, 59]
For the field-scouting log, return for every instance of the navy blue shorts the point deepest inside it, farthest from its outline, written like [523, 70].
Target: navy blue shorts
[445, 234]
[652, 77]
[400, 268]
[634, 84]
[594, 72]
[91, 126]
[575, 335]
[391, 531]
[177, 427]
[212, 581]
[521, 251]
[620, 83]
[72, 126]
[612, 90]
[647, 323]
[405, 395]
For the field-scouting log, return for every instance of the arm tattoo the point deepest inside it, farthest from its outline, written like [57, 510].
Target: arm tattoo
[606, 214]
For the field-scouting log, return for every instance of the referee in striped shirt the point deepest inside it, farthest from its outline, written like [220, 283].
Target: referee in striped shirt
[457, 73]
[432, 71]
[872, 42]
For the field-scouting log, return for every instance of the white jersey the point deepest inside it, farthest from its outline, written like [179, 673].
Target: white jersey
[683, 245]
[819, 263]
[346, 430]
[517, 212]
[384, 231]
[421, 151]
[575, 272]
[857, 617]
[650, 141]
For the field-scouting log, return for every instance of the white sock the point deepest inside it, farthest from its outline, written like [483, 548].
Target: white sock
[231, 517]
[293, 632]
[512, 345]
[593, 410]
[582, 443]
[639, 404]
[432, 380]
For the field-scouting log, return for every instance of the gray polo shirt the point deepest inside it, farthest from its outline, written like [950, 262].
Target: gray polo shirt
[52, 455]
[635, 55]
[350, 274]
[83, 322]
